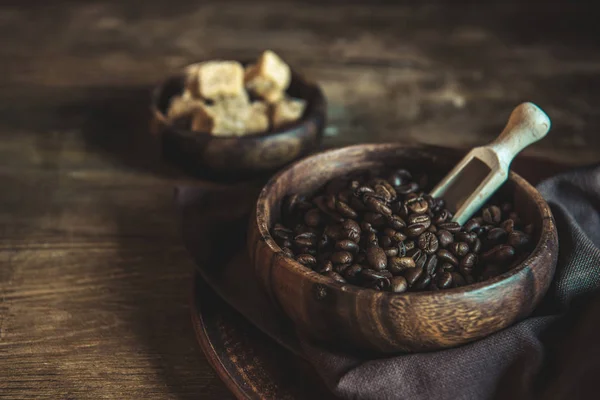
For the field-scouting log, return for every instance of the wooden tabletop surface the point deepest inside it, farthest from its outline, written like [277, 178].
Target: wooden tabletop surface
[94, 279]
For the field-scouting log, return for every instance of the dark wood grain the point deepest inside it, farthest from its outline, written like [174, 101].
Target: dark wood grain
[348, 316]
[93, 274]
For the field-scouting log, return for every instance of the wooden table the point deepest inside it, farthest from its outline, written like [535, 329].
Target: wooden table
[94, 280]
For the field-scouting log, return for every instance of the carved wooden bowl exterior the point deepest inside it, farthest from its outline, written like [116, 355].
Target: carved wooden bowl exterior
[364, 319]
[201, 154]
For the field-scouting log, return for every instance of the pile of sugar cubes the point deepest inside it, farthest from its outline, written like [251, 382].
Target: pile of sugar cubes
[217, 97]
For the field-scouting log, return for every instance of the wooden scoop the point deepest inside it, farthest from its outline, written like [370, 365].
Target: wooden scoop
[477, 176]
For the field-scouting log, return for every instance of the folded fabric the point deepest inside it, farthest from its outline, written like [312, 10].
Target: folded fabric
[553, 354]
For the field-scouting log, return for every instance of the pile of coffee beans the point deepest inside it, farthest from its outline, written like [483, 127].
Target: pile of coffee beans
[388, 234]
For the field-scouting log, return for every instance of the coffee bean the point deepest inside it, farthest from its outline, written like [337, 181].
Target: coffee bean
[396, 222]
[444, 238]
[472, 225]
[444, 280]
[347, 245]
[376, 258]
[385, 241]
[414, 253]
[412, 275]
[307, 260]
[423, 281]
[326, 266]
[410, 187]
[335, 276]
[323, 242]
[422, 219]
[431, 264]
[476, 248]
[281, 232]
[345, 210]
[508, 225]
[341, 268]
[428, 242]
[313, 218]
[376, 205]
[391, 251]
[341, 257]
[334, 232]
[344, 196]
[467, 237]
[306, 239]
[382, 192]
[352, 272]
[372, 240]
[446, 266]
[371, 275]
[452, 227]
[441, 217]
[398, 264]
[367, 227]
[445, 256]
[352, 230]
[467, 264]
[498, 254]
[398, 284]
[356, 204]
[459, 249]
[518, 239]
[409, 245]
[322, 202]
[415, 230]
[432, 229]
[359, 192]
[417, 205]
[421, 260]
[375, 219]
[496, 234]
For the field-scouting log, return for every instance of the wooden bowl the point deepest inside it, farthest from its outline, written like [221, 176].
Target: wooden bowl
[203, 155]
[364, 319]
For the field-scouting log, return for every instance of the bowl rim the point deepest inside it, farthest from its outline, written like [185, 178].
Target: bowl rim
[547, 230]
[314, 110]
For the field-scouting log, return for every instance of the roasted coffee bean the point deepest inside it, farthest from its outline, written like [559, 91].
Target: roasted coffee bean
[496, 234]
[376, 220]
[345, 210]
[335, 276]
[431, 264]
[444, 238]
[457, 280]
[344, 197]
[445, 256]
[307, 259]
[357, 204]
[412, 275]
[409, 245]
[360, 191]
[441, 217]
[472, 225]
[396, 265]
[341, 257]
[398, 284]
[428, 242]
[446, 266]
[452, 227]
[324, 242]
[326, 266]
[396, 222]
[347, 245]
[508, 225]
[467, 237]
[421, 260]
[492, 215]
[459, 249]
[499, 254]
[422, 219]
[376, 205]
[341, 268]
[382, 192]
[518, 239]
[476, 248]
[408, 188]
[288, 252]
[391, 251]
[281, 232]
[361, 258]
[414, 253]
[423, 281]
[467, 264]
[306, 239]
[415, 230]
[376, 258]
[372, 240]
[371, 275]
[285, 243]
[351, 273]
[351, 230]
[444, 280]
[367, 227]
[313, 217]
[335, 232]
[322, 203]
[417, 205]
[385, 241]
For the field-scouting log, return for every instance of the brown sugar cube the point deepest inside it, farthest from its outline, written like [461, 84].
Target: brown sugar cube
[215, 79]
[258, 118]
[269, 77]
[226, 117]
[182, 107]
[287, 111]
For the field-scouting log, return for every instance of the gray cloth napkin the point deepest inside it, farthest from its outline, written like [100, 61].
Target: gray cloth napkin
[553, 354]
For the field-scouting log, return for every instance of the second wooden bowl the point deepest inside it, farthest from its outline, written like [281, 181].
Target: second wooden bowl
[363, 319]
